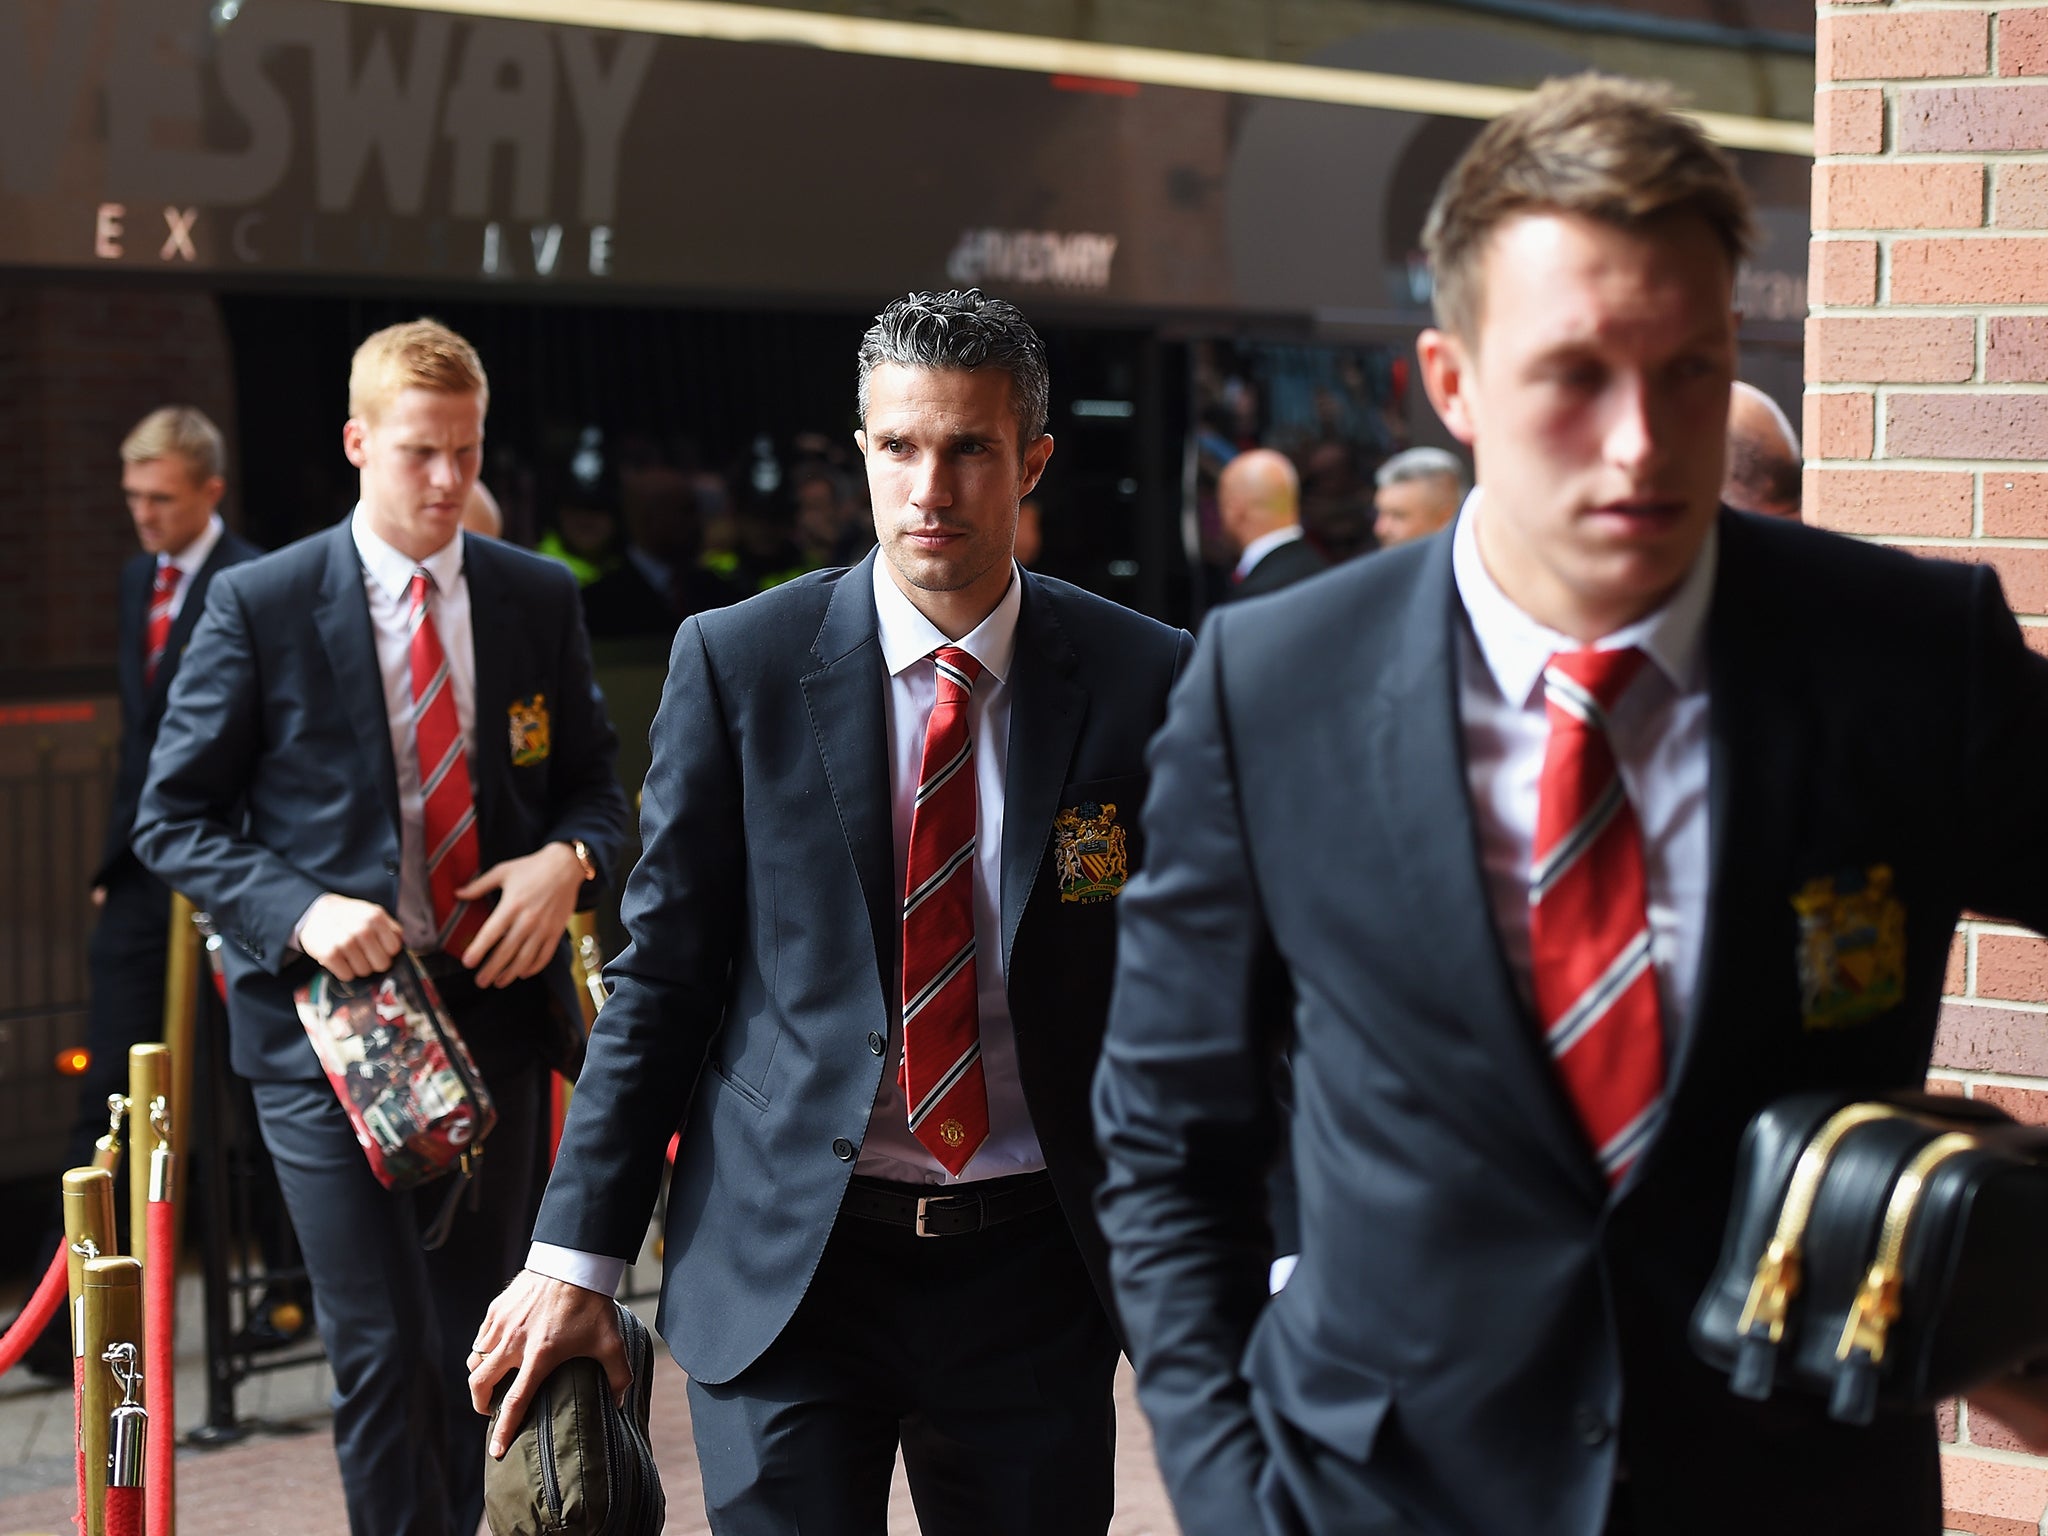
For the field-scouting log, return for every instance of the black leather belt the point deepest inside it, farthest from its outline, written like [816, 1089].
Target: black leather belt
[952, 1212]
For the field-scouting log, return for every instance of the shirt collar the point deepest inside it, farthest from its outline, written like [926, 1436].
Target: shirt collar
[909, 637]
[1517, 648]
[1263, 546]
[194, 555]
[393, 571]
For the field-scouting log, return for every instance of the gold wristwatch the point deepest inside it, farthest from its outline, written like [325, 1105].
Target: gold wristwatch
[582, 851]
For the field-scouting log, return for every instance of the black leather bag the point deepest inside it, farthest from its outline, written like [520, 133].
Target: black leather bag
[581, 1464]
[1885, 1252]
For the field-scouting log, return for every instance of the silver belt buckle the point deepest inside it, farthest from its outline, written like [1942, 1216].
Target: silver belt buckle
[944, 1203]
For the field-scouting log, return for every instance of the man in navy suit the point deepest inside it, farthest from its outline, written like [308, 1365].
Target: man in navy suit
[387, 735]
[173, 474]
[888, 818]
[1550, 965]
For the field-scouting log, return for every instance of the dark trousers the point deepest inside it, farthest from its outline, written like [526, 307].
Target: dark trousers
[987, 1356]
[125, 963]
[397, 1321]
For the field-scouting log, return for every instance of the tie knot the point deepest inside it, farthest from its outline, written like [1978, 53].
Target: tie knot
[167, 576]
[421, 584]
[957, 667]
[1586, 683]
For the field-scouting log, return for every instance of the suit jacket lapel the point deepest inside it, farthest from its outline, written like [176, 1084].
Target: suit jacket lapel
[1047, 706]
[489, 614]
[847, 700]
[342, 613]
[1414, 734]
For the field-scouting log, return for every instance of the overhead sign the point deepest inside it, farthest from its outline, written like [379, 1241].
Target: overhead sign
[314, 138]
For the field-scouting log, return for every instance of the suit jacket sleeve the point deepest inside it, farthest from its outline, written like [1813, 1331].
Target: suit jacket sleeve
[188, 827]
[589, 804]
[1185, 1112]
[2004, 838]
[681, 912]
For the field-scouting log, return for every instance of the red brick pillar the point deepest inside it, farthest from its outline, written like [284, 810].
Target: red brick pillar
[1927, 426]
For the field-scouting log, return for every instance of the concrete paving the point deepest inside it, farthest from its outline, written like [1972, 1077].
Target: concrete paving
[281, 1480]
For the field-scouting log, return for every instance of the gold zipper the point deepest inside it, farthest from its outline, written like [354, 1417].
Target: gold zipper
[1878, 1298]
[1778, 1273]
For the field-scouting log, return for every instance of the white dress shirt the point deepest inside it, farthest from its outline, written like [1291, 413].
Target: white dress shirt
[1658, 732]
[889, 1151]
[1263, 546]
[387, 575]
[1659, 736]
[189, 561]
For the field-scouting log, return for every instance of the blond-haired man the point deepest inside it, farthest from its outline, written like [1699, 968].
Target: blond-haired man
[388, 734]
[1549, 967]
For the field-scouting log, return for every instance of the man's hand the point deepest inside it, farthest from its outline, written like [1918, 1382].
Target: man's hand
[350, 938]
[535, 1324]
[536, 894]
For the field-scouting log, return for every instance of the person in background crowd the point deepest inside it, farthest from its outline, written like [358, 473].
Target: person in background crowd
[1030, 532]
[387, 735]
[1543, 987]
[1258, 496]
[1335, 507]
[872, 931]
[1416, 492]
[480, 514]
[173, 474]
[1764, 468]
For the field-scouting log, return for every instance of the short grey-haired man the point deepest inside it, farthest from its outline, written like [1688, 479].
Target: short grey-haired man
[1416, 493]
[904, 789]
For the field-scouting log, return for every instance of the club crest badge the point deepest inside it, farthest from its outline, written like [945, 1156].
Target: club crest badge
[1852, 948]
[529, 720]
[1088, 847]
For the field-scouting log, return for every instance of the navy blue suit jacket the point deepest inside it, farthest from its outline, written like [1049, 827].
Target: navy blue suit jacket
[142, 702]
[755, 1005]
[1479, 1333]
[272, 781]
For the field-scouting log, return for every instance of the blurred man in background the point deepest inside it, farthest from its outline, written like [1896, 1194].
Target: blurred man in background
[1416, 493]
[173, 467]
[1763, 456]
[1259, 497]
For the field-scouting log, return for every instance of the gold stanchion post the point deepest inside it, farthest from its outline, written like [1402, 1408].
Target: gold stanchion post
[184, 974]
[149, 1073]
[88, 1234]
[113, 1315]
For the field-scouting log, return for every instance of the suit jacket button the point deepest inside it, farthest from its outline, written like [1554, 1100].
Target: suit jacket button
[391, 866]
[1593, 1430]
[842, 1149]
[876, 1042]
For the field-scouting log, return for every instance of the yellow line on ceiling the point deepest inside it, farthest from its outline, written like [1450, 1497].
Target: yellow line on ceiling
[728, 22]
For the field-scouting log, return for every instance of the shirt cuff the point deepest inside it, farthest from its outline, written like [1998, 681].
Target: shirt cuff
[300, 926]
[593, 1271]
[1276, 1277]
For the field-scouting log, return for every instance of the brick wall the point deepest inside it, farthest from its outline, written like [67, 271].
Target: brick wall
[79, 366]
[1927, 427]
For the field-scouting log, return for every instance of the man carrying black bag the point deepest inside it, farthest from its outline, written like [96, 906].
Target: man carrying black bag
[1626, 750]
[387, 734]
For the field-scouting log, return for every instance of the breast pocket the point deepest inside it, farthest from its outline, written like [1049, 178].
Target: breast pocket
[1096, 843]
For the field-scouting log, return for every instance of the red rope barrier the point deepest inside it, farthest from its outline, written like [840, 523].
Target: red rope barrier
[159, 1337]
[125, 1515]
[35, 1317]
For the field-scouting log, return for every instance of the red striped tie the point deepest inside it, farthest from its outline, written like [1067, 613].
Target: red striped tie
[1589, 929]
[157, 633]
[942, 1073]
[449, 809]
